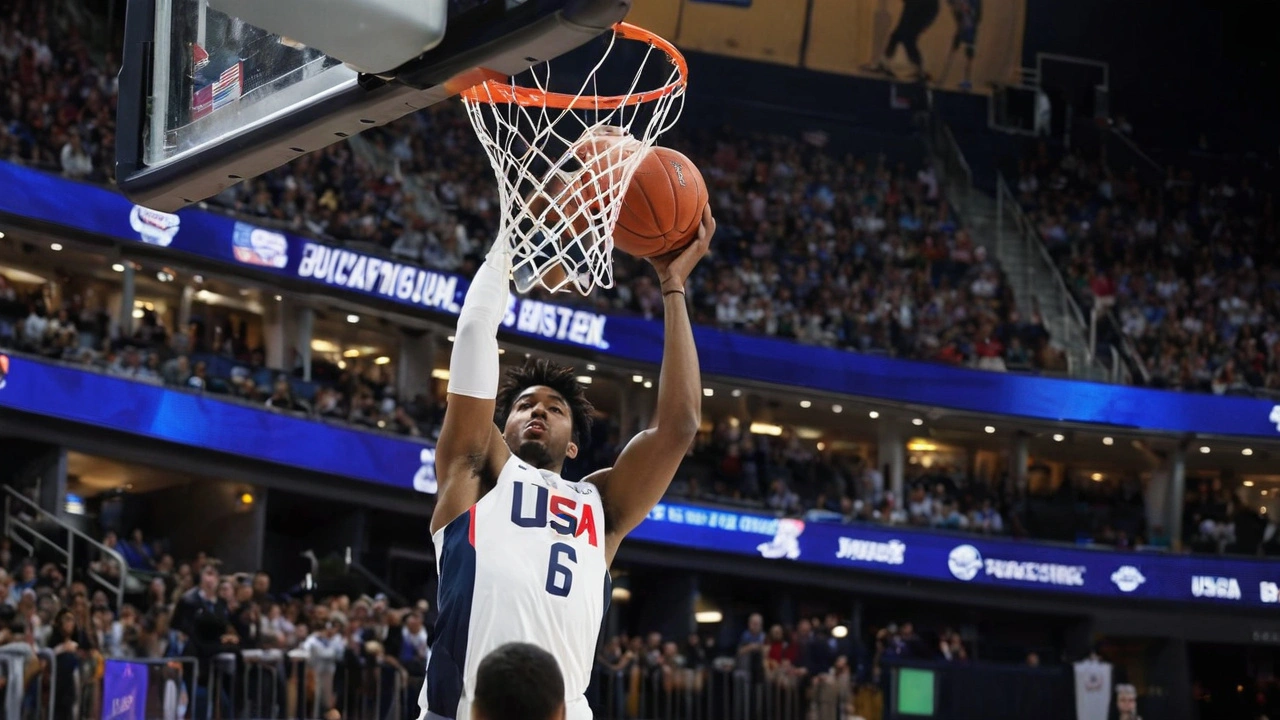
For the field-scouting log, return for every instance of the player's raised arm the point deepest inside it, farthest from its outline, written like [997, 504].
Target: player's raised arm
[470, 450]
[647, 464]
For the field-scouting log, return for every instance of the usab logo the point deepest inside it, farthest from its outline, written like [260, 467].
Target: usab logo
[256, 246]
[4, 369]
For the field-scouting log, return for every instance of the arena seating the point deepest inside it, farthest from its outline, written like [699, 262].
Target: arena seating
[1186, 263]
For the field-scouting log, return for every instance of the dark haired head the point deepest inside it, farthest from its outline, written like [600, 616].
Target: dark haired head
[544, 413]
[518, 681]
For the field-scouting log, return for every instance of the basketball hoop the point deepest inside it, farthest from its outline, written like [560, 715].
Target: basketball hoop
[564, 159]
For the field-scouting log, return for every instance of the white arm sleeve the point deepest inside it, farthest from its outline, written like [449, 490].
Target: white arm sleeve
[473, 367]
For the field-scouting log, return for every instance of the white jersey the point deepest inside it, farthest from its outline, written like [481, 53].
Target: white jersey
[525, 564]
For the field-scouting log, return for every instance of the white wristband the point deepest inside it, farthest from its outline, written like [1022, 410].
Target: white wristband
[473, 367]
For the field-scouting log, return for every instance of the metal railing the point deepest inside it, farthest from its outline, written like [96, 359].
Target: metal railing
[28, 535]
[954, 167]
[1037, 261]
[376, 690]
[666, 692]
[24, 696]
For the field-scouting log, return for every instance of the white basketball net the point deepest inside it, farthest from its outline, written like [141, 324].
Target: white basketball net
[563, 171]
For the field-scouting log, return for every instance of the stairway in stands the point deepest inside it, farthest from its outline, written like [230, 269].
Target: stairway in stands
[998, 224]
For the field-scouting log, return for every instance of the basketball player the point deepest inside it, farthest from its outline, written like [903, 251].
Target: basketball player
[518, 681]
[522, 554]
[967, 14]
[917, 16]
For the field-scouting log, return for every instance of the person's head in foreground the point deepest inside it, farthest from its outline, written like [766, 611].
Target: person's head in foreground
[518, 681]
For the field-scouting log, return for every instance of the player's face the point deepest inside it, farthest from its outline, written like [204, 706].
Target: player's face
[540, 428]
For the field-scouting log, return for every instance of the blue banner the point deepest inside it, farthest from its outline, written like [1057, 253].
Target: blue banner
[124, 691]
[968, 560]
[209, 236]
[207, 422]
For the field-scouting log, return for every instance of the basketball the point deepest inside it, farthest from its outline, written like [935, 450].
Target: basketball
[663, 205]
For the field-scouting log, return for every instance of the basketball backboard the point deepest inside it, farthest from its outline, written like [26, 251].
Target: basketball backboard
[207, 99]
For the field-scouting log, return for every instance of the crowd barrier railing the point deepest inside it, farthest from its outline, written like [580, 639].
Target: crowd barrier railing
[665, 692]
[30, 684]
[259, 684]
[378, 690]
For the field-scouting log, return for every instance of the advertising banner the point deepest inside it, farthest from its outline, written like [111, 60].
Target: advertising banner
[257, 433]
[124, 691]
[207, 237]
[213, 423]
[991, 562]
[957, 44]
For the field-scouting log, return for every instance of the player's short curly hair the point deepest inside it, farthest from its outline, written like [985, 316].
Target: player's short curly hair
[518, 681]
[560, 378]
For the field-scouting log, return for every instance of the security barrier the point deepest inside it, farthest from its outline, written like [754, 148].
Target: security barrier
[374, 690]
[723, 692]
[29, 684]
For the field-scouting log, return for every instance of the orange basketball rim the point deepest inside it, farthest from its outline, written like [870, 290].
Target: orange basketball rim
[499, 90]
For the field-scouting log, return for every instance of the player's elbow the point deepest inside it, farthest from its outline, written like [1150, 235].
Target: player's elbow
[681, 428]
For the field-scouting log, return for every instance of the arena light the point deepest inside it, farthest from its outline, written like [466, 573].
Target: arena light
[708, 617]
[708, 392]
[279, 298]
[874, 414]
[621, 594]
[1, 234]
[917, 422]
[352, 353]
[138, 313]
[805, 404]
[118, 267]
[1059, 437]
[382, 360]
[1108, 441]
[822, 446]
[648, 384]
[1248, 483]
[591, 368]
[989, 430]
[1247, 451]
[198, 278]
[323, 346]
[342, 364]
[353, 319]
[637, 378]
[56, 247]
[1096, 477]
[440, 374]
[921, 446]
[839, 632]
[759, 428]
[584, 379]
[450, 339]
[736, 393]
[246, 499]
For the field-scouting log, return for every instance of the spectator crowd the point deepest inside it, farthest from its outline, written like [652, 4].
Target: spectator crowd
[1187, 264]
[848, 252]
[79, 331]
[359, 652]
